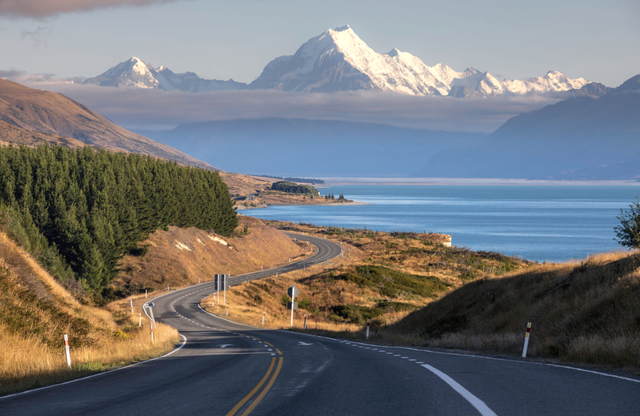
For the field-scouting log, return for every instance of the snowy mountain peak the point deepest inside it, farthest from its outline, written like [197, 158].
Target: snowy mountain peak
[393, 52]
[343, 28]
[134, 72]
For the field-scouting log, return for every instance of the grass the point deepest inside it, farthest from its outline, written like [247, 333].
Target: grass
[36, 311]
[586, 312]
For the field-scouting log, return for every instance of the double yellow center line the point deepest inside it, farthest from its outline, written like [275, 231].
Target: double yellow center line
[264, 392]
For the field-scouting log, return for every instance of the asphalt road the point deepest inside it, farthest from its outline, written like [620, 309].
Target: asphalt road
[224, 368]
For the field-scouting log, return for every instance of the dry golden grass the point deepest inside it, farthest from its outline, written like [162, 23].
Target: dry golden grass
[181, 257]
[582, 311]
[35, 313]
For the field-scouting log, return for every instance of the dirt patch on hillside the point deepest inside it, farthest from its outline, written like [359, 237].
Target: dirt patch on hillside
[178, 257]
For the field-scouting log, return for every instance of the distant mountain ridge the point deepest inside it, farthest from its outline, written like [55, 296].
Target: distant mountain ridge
[302, 147]
[338, 60]
[583, 138]
[136, 73]
[56, 115]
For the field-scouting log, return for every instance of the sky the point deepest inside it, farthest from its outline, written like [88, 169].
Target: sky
[594, 39]
[221, 39]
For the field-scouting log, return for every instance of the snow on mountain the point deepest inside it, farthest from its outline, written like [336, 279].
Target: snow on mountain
[339, 60]
[135, 73]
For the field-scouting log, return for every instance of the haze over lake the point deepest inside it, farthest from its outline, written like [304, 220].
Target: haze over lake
[543, 223]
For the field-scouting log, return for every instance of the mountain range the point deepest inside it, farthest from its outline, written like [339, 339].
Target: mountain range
[338, 60]
[582, 138]
[299, 147]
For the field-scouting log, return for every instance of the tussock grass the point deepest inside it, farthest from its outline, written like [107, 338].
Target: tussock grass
[581, 311]
[36, 311]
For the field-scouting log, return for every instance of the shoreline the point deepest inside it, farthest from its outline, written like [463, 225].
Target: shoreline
[340, 181]
[333, 204]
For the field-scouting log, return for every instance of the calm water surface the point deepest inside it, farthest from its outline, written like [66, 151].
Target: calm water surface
[544, 223]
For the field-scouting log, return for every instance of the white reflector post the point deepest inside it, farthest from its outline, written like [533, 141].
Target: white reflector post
[66, 350]
[526, 340]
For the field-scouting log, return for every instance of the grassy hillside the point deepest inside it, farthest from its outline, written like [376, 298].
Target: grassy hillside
[179, 256]
[586, 312]
[52, 113]
[35, 313]
[382, 276]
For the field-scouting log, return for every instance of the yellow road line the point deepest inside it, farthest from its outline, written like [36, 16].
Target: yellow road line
[266, 389]
[278, 351]
[268, 344]
[255, 389]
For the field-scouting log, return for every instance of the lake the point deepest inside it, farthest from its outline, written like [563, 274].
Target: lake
[543, 223]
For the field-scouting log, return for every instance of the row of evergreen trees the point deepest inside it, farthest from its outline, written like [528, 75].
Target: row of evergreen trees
[79, 211]
[332, 196]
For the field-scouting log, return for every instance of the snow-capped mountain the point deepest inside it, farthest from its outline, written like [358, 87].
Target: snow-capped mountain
[135, 73]
[339, 60]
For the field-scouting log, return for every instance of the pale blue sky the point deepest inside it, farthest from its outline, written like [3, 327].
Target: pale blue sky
[597, 40]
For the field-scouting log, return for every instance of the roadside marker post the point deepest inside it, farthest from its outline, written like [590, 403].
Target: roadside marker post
[304, 326]
[293, 291]
[368, 323]
[227, 310]
[263, 318]
[151, 328]
[150, 307]
[140, 319]
[66, 350]
[526, 340]
[131, 301]
[145, 294]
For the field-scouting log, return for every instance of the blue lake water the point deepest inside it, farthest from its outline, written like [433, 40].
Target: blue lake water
[544, 223]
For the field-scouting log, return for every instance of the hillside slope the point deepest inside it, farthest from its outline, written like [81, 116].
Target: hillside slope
[10, 134]
[56, 114]
[179, 256]
[573, 134]
[585, 312]
[285, 147]
[36, 311]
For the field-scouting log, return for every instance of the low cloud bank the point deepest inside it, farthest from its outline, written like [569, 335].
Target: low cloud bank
[136, 108]
[44, 8]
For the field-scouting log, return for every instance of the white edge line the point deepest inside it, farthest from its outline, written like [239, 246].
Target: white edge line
[184, 342]
[492, 358]
[475, 402]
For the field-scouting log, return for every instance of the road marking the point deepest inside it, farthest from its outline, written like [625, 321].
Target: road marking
[252, 392]
[304, 343]
[475, 402]
[226, 345]
[184, 342]
[266, 389]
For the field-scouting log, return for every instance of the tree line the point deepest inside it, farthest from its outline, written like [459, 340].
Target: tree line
[79, 211]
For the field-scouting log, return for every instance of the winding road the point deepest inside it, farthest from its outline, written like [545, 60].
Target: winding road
[224, 368]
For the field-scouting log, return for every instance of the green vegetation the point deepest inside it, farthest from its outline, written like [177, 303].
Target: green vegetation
[628, 232]
[79, 211]
[392, 283]
[294, 188]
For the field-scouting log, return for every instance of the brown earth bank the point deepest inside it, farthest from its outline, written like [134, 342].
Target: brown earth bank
[35, 313]
[180, 257]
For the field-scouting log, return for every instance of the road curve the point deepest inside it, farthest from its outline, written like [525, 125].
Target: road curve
[226, 368]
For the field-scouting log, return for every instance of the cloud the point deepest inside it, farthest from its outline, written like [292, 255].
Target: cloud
[44, 8]
[38, 36]
[155, 109]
